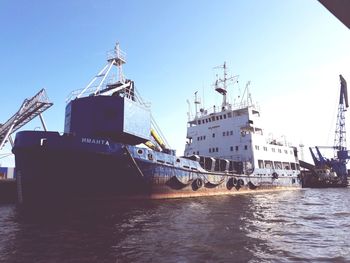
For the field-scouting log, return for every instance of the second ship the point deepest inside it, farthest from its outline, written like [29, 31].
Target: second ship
[110, 149]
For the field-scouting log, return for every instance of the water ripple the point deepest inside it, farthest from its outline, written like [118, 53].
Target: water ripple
[292, 226]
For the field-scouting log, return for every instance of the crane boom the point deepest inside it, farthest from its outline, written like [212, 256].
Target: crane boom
[343, 92]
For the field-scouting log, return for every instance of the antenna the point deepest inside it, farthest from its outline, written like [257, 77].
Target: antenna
[196, 102]
[249, 96]
[301, 145]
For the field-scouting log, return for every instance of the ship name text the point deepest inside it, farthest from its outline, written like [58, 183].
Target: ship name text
[95, 141]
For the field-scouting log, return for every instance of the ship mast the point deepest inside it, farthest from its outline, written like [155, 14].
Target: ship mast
[116, 58]
[221, 85]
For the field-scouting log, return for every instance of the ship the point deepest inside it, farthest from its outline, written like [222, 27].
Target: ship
[111, 149]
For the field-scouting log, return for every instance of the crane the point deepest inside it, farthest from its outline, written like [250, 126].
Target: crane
[334, 166]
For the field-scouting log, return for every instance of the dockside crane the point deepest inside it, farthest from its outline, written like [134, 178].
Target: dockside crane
[337, 164]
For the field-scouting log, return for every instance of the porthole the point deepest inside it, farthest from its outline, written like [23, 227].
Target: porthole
[140, 151]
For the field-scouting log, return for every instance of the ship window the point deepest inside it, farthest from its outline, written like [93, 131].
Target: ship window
[268, 165]
[229, 114]
[231, 148]
[286, 166]
[194, 152]
[209, 120]
[210, 150]
[279, 150]
[204, 137]
[273, 150]
[236, 148]
[199, 122]
[278, 165]
[231, 132]
[256, 147]
[292, 165]
[139, 151]
[298, 168]
[285, 151]
[224, 133]
[217, 118]
[265, 148]
[220, 117]
[217, 149]
[213, 118]
[260, 163]
[177, 160]
[213, 135]
[224, 116]
[245, 147]
[197, 152]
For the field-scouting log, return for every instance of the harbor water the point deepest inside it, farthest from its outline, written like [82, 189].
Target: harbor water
[308, 225]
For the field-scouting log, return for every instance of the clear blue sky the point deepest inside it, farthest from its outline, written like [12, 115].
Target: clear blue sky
[291, 51]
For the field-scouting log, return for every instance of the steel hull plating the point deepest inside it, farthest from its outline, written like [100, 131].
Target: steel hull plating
[51, 167]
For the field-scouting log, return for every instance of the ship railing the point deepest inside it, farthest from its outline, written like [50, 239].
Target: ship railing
[116, 54]
[233, 107]
[75, 93]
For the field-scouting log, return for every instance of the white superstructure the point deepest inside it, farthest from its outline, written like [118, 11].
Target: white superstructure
[234, 132]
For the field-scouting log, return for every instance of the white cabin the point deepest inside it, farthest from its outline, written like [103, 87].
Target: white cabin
[234, 132]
